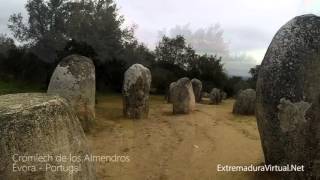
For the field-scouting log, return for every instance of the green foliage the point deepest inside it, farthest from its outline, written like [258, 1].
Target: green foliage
[93, 28]
[51, 24]
[254, 76]
[175, 59]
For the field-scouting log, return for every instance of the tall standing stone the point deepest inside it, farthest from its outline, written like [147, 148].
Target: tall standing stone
[245, 103]
[197, 89]
[169, 93]
[183, 97]
[136, 88]
[215, 96]
[74, 79]
[35, 125]
[288, 91]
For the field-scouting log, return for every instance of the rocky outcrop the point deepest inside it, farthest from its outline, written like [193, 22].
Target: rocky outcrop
[74, 79]
[34, 125]
[288, 90]
[135, 91]
[245, 103]
[197, 89]
[215, 96]
[183, 97]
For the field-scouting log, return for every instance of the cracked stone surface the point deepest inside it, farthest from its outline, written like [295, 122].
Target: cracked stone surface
[288, 89]
[41, 124]
[135, 91]
[183, 98]
[74, 79]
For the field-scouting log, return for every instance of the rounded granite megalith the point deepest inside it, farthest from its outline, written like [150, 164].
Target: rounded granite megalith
[183, 99]
[169, 93]
[135, 91]
[74, 79]
[215, 96]
[288, 92]
[37, 129]
[197, 89]
[245, 103]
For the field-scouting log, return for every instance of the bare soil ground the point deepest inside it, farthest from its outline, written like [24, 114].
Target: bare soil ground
[175, 147]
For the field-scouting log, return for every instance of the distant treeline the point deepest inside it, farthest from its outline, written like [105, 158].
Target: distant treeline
[93, 28]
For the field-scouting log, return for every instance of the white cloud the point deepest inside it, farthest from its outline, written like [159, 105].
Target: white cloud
[249, 25]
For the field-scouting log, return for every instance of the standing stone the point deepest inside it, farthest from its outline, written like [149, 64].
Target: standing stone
[215, 96]
[74, 79]
[245, 103]
[288, 91]
[197, 89]
[183, 97]
[169, 93]
[41, 125]
[136, 88]
[224, 95]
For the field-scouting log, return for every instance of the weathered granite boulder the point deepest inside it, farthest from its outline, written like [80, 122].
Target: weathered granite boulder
[183, 97]
[41, 125]
[288, 89]
[197, 89]
[215, 96]
[135, 91]
[245, 103]
[169, 93]
[74, 79]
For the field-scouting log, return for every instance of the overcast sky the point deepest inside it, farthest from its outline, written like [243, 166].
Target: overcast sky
[248, 25]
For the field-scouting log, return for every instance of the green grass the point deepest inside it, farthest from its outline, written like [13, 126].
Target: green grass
[18, 87]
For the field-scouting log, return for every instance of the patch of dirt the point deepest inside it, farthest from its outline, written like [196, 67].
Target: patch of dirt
[169, 147]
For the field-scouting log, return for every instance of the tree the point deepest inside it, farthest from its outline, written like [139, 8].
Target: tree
[6, 44]
[210, 70]
[51, 24]
[174, 51]
[254, 76]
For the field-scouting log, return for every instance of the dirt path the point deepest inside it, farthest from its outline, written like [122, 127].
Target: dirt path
[184, 147]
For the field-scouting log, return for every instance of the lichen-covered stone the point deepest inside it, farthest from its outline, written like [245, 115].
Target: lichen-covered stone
[290, 128]
[245, 103]
[41, 125]
[215, 96]
[197, 89]
[74, 79]
[135, 91]
[169, 93]
[183, 97]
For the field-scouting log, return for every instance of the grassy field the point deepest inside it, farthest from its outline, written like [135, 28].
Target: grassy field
[18, 87]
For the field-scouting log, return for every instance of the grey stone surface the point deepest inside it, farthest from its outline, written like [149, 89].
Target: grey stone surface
[169, 93]
[245, 103]
[74, 79]
[288, 89]
[197, 89]
[183, 97]
[39, 125]
[215, 96]
[135, 91]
